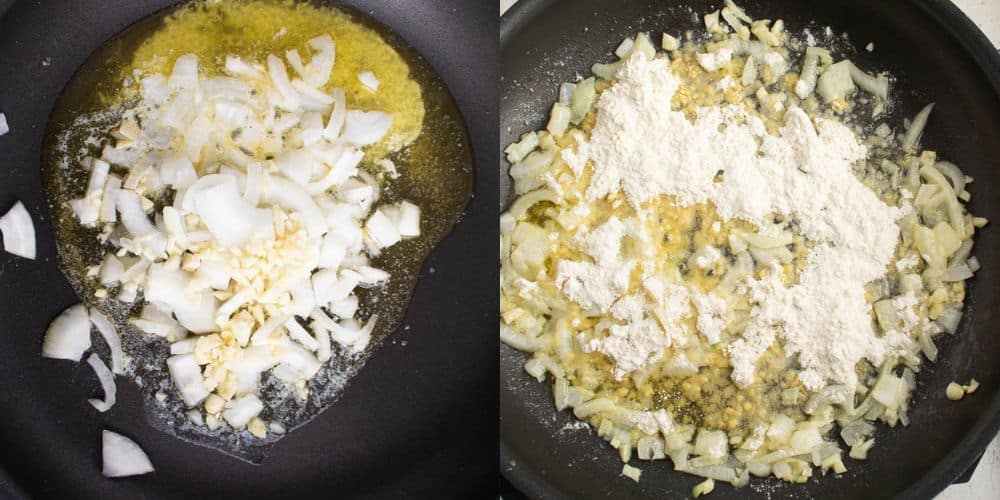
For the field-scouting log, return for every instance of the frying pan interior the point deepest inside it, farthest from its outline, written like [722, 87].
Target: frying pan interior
[937, 56]
[418, 421]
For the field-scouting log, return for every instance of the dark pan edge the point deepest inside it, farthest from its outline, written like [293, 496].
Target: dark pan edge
[966, 454]
[971, 447]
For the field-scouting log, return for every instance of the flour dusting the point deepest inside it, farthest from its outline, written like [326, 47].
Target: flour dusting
[643, 149]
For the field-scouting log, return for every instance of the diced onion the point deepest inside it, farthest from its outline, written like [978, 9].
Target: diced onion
[836, 82]
[110, 335]
[916, 128]
[18, 232]
[107, 380]
[239, 411]
[363, 128]
[122, 457]
[368, 80]
[68, 336]
[878, 86]
[186, 374]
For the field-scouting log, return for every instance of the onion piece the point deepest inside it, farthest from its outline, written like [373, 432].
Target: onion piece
[111, 270]
[4, 127]
[107, 380]
[230, 219]
[107, 330]
[336, 123]
[68, 336]
[363, 128]
[183, 346]
[18, 232]
[836, 83]
[137, 223]
[186, 374]
[408, 223]
[875, 85]
[300, 335]
[108, 211]
[185, 73]
[368, 80]
[382, 230]
[916, 129]
[169, 288]
[349, 334]
[290, 196]
[123, 457]
[236, 66]
[88, 208]
[239, 411]
[289, 99]
[954, 175]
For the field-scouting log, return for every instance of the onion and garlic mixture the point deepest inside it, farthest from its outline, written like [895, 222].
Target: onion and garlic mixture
[234, 210]
[720, 253]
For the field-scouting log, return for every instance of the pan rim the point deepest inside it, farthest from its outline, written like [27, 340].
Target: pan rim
[970, 447]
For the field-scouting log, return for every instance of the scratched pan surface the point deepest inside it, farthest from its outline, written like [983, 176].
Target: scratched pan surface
[419, 420]
[938, 55]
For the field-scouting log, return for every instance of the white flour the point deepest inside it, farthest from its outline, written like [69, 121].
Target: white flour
[598, 285]
[642, 148]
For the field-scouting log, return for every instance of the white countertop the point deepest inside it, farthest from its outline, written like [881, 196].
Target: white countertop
[985, 482]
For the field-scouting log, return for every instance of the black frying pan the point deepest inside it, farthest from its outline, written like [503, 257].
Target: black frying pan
[418, 421]
[938, 55]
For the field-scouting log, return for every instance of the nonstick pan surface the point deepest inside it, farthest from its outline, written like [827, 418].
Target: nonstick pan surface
[938, 55]
[419, 421]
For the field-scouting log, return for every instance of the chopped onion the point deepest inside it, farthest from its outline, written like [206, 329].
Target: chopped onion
[123, 457]
[950, 319]
[381, 230]
[290, 196]
[169, 288]
[337, 117]
[368, 80]
[111, 270]
[878, 86]
[4, 127]
[136, 222]
[183, 346]
[107, 380]
[362, 128]
[68, 336]
[959, 272]
[107, 330]
[916, 129]
[185, 74]
[108, 210]
[288, 98]
[349, 334]
[836, 82]
[323, 351]
[186, 374]
[300, 335]
[371, 276]
[239, 411]
[230, 219]
[18, 232]
[954, 175]
[88, 208]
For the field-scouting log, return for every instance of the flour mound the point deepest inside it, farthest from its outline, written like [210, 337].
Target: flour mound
[643, 149]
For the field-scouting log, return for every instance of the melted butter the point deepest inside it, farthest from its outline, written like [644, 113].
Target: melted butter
[253, 29]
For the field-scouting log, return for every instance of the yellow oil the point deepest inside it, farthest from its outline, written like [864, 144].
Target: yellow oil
[253, 29]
